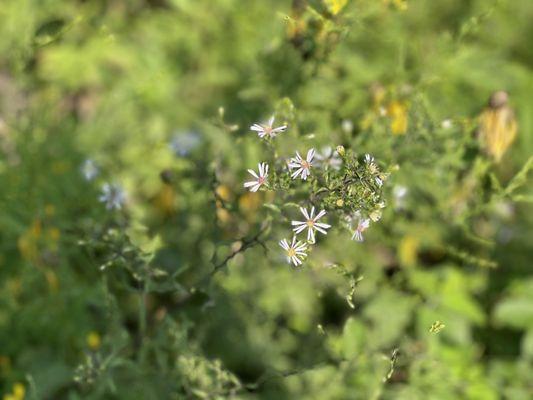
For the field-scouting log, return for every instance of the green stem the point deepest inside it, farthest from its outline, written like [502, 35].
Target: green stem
[142, 317]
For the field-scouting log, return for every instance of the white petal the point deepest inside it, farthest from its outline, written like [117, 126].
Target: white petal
[295, 174]
[251, 183]
[299, 229]
[310, 235]
[300, 247]
[252, 172]
[321, 230]
[310, 155]
[320, 215]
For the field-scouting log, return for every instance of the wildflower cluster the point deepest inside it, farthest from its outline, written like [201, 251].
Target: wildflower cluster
[112, 195]
[336, 183]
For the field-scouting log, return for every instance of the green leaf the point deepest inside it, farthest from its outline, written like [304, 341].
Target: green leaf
[516, 312]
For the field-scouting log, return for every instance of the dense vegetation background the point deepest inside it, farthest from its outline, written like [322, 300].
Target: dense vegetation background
[183, 292]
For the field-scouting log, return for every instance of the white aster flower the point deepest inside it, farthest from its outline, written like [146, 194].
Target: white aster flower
[113, 196]
[295, 251]
[372, 167]
[362, 226]
[329, 158]
[311, 223]
[267, 130]
[260, 178]
[89, 170]
[369, 159]
[303, 167]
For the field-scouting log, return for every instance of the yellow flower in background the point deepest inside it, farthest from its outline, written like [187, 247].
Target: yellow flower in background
[335, 6]
[93, 340]
[397, 111]
[249, 203]
[223, 192]
[497, 126]
[18, 393]
[165, 200]
[223, 215]
[408, 250]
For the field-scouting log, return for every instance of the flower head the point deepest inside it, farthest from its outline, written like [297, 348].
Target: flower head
[369, 159]
[329, 158]
[303, 167]
[267, 129]
[362, 226]
[260, 178]
[311, 223]
[89, 170]
[113, 196]
[295, 251]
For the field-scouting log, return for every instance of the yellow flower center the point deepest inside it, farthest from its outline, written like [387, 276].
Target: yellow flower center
[291, 252]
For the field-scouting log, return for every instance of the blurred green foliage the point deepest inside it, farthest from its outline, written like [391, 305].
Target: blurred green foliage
[183, 293]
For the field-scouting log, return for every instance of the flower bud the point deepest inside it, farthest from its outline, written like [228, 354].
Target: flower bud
[341, 151]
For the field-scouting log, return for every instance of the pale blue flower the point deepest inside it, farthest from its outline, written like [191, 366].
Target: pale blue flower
[184, 142]
[113, 195]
